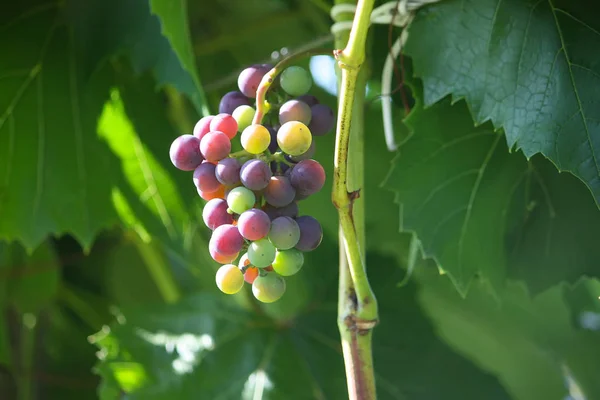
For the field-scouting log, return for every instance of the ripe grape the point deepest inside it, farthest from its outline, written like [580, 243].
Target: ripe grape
[268, 288]
[291, 210]
[254, 224]
[255, 139]
[308, 99]
[231, 101]
[243, 115]
[249, 79]
[261, 253]
[215, 214]
[202, 127]
[288, 262]
[185, 153]
[227, 171]
[240, 199]
[294, 138]
[220, 258]
[295, 81]
[229, 279]
[323, 119]
[311, 233]
[215, 146]
[217, 194]
[294, 110]
[255, 174]
[308, 177]
[304, 156]
[279, 192]
[204, 177]
[226, 240]
[224, 123]
[251, 274]
[284, 233]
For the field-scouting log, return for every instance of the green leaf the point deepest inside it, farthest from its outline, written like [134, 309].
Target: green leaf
[181, 351]
[529, 344]
[175, 26]
[524, 65]
[477, 209]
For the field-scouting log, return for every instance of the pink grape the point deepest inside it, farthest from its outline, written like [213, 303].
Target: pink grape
[202, 127]
[254, 224]
[224, 123]
[204, 177]
[215, 146]
[228, 171]
[294, 110]
[249, 79]
[215, 214]
[185, 153]
[226, 240]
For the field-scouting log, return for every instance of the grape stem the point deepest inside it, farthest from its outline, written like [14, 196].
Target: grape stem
[357, 305]
[262, 105]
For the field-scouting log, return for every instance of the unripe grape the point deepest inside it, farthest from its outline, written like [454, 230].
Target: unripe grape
[261, 253]
[269, 288]
[229, 279]
[284, 233]
[256, 139]
[288, 262]
[244, 115]
[240, 199]
[294, 138]
[295, 80]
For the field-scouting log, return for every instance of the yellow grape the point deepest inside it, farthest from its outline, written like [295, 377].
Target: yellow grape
[294, 138]
[230, 279]
[255, 139]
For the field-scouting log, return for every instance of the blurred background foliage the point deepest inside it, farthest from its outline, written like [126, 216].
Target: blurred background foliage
[97, 228]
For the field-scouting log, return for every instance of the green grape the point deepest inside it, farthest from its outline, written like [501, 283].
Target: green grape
[288, 262]
[268, 288]
[230, 279]
[294, 138]
[255, 139]
[243, 115]
[261, 253]
[240, 199]
[284, 233]
[295, 80]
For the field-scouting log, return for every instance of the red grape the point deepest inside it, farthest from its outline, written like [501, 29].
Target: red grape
[185, 153]
[215, 214]
[215, 146]
[224, 123]
[254, 224]
[204, 177]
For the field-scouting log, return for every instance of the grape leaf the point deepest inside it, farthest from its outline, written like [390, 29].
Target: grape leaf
[182, 350]
[525, 65]
[515, 333]
[478, 209]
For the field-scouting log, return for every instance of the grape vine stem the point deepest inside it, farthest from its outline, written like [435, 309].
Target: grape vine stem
[357, 305]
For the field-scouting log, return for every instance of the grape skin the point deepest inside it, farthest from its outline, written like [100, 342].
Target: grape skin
[243, 115]
[227, 171]
[214, 214]
[224, 123]
[269, 288]
[284, 233]
[261, 253]
[185, 153]
[311, 233]
[202, 127]
[308, 177]
[232, 100]
[323, 120]
[279, 192]
[254, 224]
[294, 110]
[249, 79]
[294, 138]
[226, 240]
[215, 146]
[288, 262]
[295, 80]
[204, 177]
[255, 174]
[255, 139]
[229, 279]
[240, 199]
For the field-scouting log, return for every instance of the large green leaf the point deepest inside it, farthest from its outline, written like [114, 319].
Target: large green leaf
[526, 65]
[529, 344]
[477, 209]
[203, 348]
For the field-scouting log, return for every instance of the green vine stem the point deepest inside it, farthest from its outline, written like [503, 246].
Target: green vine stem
[357, 305]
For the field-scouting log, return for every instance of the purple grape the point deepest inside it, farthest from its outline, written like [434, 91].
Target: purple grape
[273, 146]
[185, 153]
[255, 174]
[294, 110]
[249, 79]
[322, 121]
[215, 214]
[228, 171]
[308, 177]
[204, 177]
[311, 233]
[254, 224]
[226, 240]
[284, 233]
[215, 146]
[279, 192]
[231, 101]
[308, 99]
[291, 210]
[304, 156]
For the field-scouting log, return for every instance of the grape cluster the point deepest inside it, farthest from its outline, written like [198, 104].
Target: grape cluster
[252, 195]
